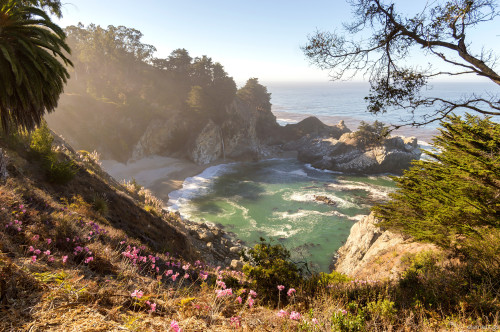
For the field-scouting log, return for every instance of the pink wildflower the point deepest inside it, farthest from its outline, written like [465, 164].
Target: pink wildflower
[291, 291]
[64, 259]
[294, 315]
[89, 259]
[174, 326]
[47, 252]
[37, 251]
[250, 302]
[281, 287]
[315, 321]
[169, 272]
[137, 294]
[239, 299]
[186, 276]
[153, 307]
[235, 321]
[33, 259]
[49, 241]
[252, 293]
[175, 276]
[282, 313]
[35, 238]
[31, 249]
[51, 258]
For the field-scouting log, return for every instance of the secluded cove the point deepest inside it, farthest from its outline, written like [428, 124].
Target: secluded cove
[275, 199]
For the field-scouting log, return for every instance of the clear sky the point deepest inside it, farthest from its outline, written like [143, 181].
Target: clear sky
[252, 38]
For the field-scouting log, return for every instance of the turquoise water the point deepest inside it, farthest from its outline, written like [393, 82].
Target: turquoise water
[275, 199]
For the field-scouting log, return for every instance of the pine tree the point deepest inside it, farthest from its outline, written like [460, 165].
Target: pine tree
[454, 197]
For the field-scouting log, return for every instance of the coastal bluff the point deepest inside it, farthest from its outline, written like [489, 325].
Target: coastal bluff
[250, 134]
[374, 253]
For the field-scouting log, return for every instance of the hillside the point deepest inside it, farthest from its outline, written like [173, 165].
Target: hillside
[96, 255]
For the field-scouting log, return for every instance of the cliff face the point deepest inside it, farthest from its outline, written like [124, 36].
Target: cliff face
[244, 133]
[372, 253]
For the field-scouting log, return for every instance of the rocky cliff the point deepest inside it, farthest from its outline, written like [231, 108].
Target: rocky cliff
[245, 133]
[373, 253]
[345, 154]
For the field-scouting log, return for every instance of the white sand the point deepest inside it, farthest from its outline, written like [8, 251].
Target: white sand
[161, 175]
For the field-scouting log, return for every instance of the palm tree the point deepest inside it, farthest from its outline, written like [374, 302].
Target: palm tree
[31, 74]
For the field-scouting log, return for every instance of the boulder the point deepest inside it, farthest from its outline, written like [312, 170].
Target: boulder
[393, 155]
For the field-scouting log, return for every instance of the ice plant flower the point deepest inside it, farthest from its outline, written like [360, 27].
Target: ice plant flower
[282, 313]
[250, 302]
[291, 291]
[137, 294]
[174, 326]
[294, 315]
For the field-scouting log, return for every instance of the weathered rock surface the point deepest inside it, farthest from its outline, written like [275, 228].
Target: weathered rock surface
[3, 165]
[373, 253]
[213, 244]
[346, 155]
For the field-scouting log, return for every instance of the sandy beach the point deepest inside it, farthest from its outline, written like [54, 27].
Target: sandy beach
[161, 175]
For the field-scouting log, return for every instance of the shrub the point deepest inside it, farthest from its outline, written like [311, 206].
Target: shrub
[351, 320]
[59, 172]
[371, 134]
[269, 266]
[41, 140]
[100, 203]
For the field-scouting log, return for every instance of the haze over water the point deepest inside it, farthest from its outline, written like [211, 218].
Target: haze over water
[275, 199]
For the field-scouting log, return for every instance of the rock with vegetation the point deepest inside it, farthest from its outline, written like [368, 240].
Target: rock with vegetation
[367, 150]
[374, 253]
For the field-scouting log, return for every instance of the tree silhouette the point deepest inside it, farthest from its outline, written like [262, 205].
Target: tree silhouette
[32, 76]
[381, 40]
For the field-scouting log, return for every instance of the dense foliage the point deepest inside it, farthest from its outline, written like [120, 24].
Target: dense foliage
[33, 60]
[455, 195]
[269, 266]
[118, 87]
[371, 134]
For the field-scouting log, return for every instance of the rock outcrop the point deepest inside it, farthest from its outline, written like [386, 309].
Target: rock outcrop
[345, 154]
[3, 165]
[373, 253]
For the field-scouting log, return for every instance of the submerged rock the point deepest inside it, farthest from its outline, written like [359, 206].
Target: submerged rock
[325, 200]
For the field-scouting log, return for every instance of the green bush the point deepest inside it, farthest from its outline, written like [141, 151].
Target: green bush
[371, 134]
[100, 203]
[351, 320]
[59, 172]
[41, 140]
[269, 266]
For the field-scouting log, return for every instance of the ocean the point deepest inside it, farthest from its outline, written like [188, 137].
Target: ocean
[275, 199]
